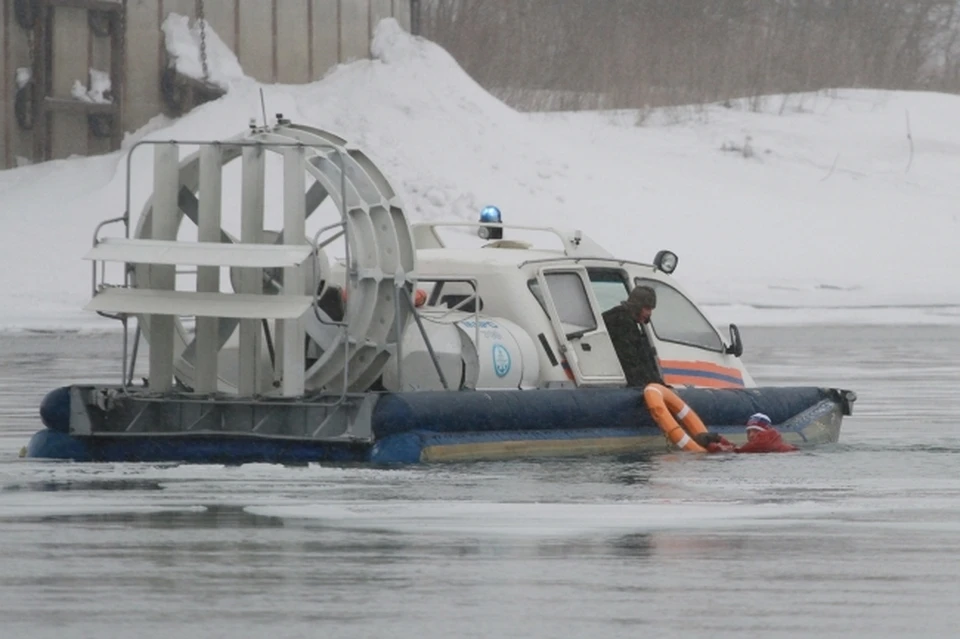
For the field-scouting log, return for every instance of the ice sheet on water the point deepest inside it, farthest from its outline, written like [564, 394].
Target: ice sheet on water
[32, 505]
[40, 488]
[41, 470]
[533, 519]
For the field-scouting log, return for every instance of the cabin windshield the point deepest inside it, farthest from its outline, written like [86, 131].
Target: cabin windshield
[677, 319]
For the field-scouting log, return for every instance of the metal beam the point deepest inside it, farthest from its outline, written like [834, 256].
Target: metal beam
[251, 279]
[136, 301]
[164, 224]
[294, 233]
[207, 252]
[208, 277]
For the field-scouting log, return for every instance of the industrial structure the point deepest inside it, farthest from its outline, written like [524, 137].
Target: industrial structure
[48, 46]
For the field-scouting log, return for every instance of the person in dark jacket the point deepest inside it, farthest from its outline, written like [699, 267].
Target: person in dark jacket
[627, 325]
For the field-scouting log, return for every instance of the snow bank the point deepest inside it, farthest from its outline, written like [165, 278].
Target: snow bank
[845, 210]
[183, 45]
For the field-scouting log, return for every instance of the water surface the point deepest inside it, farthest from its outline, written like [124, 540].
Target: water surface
[859, 539]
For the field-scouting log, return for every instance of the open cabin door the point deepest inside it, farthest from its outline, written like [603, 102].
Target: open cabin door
[578, 325]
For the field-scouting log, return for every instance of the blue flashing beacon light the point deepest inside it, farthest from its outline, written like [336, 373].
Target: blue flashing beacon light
[490, 215]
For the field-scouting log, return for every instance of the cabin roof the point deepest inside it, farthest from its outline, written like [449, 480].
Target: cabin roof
[495, 260]
[482, 258]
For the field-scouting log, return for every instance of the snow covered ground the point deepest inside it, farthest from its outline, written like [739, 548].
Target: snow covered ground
[832, 207]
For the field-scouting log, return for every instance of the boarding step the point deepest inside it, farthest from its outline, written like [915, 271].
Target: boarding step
[198, 253]
[145, 301]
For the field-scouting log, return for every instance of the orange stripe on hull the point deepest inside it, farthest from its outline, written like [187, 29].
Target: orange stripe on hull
[700, 366]
[706, 382]
[699, 373]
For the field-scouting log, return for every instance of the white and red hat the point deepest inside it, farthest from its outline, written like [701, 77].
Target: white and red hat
[759, 421]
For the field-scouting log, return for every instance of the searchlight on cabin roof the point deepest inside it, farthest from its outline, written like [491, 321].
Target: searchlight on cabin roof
[490, 215]
[666, 261]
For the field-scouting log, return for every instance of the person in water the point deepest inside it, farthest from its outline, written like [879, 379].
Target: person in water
[762, 437]
[628, 325]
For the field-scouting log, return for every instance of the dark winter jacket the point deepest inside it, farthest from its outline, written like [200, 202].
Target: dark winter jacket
[638, 357]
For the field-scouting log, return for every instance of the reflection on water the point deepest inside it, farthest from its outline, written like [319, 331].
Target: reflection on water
[31, 365]
[86, 485]
[205, 517]
[858, 539]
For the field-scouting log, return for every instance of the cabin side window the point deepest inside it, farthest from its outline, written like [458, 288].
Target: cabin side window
[534, 287]
[451, 293]
[609, 286]
[677, 319]
[570, 299]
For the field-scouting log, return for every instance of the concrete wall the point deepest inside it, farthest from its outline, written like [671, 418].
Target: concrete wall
[14, 53]
[5, 93]
[282, 41]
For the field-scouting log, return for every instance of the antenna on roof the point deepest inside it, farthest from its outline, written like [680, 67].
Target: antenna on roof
[263, 108]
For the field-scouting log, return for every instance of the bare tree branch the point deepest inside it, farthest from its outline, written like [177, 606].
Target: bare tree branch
[649, 53]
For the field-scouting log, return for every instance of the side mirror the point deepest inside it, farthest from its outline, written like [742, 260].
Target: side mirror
[736, 344]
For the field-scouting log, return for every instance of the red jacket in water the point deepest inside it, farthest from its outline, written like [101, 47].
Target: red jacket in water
[767, 441]
[721, 446]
